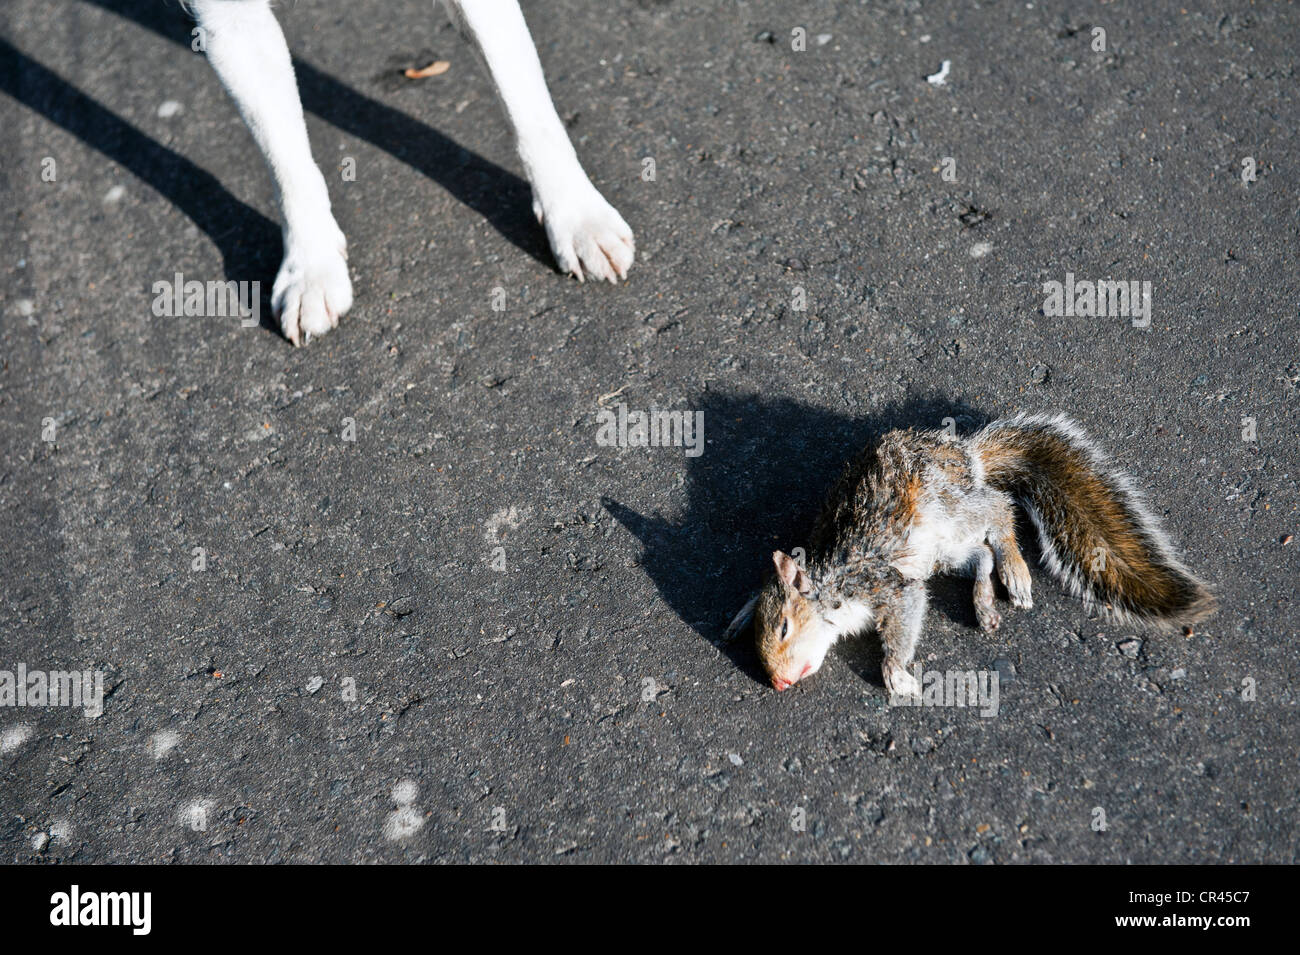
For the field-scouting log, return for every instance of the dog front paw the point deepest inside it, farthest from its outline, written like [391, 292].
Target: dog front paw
[312, 290]
[587, 235]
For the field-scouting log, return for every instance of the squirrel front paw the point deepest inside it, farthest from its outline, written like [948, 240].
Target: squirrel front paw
[902, 686]
[988, 616]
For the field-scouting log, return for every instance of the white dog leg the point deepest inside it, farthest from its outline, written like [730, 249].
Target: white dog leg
[247, 49]
[587, 235]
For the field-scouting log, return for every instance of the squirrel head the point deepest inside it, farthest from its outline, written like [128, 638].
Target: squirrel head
[792, 632]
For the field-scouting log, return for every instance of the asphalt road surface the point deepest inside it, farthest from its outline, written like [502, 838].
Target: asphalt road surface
[387, 598]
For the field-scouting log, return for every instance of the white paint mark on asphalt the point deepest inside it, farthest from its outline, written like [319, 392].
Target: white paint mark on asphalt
[405, 820]
[196, 815]
[510, 517]
[940, 78]
[404, 793]
[14, 737]
[163, 742]
[60, 831]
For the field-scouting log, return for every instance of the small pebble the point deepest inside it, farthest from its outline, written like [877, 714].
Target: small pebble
[940, 78]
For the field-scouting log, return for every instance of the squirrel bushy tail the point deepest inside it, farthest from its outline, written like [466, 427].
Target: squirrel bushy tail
[1096, 536]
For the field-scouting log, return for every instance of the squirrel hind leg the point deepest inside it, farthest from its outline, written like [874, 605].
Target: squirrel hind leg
[1010, 563]
[985, 610]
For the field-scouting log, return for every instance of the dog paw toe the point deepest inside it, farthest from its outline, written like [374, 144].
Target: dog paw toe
[589, 238]
[312, 292]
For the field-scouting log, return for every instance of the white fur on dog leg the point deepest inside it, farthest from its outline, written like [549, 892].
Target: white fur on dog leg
[313, 290]
[246, 47]
[589, 239]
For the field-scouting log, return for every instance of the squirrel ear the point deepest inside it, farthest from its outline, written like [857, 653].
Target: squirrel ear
[790, 573]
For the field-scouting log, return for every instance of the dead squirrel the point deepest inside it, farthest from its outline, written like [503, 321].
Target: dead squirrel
[920, 503]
